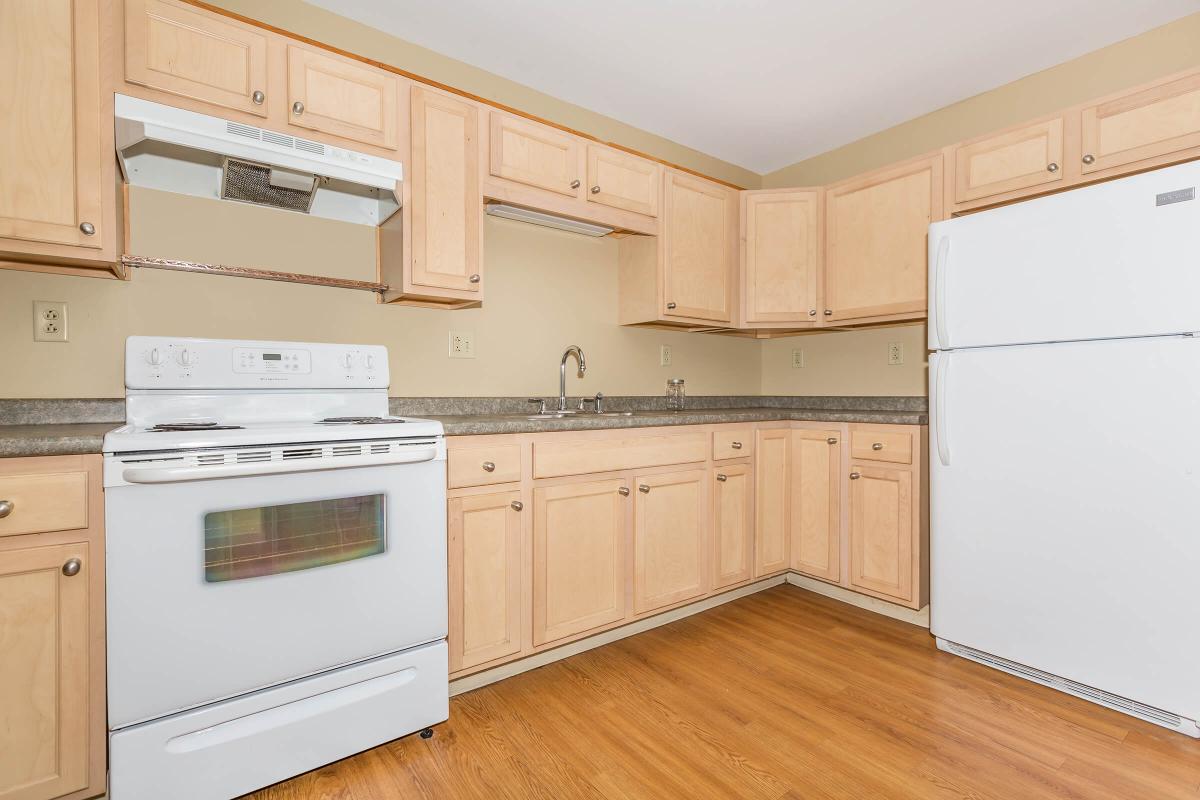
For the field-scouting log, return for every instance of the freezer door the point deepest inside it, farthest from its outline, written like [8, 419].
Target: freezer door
[1065, 505]
[1112, 260]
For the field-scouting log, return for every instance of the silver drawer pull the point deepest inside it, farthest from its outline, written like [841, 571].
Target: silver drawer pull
[72, 567]
[854, 476]
[595, 190]
[517, 505]
[736, 445]
[623, 491]
[722, 478]
[6, 508]
[670, 306]
[831, 440]
[644, 489]
[474, 278]
[489, 466]
[877, 446]
[575, 183]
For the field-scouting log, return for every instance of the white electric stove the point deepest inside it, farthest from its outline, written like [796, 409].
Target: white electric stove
[276, 565]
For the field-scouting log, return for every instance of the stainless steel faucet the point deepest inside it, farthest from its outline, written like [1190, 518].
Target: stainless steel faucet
[562, 374]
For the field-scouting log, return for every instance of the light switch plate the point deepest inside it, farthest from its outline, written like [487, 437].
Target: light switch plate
[49, 321]
[797, 358]
[895, 354]
[462, 344]
[664, 355]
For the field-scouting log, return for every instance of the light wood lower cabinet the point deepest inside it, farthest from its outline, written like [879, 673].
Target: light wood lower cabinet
[772, 501]
[578, 557]
[816, 503]
[670, 539]
[52, 715]
[486, 577]
[881, 533]
[733, 524]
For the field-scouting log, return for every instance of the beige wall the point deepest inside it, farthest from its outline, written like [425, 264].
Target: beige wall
[856, 362]
[324, 26]
[546, 289]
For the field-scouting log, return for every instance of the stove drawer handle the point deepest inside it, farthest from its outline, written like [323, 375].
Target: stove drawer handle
[180, 474]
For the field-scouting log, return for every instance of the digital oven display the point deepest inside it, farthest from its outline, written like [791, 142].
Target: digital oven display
[271, 356]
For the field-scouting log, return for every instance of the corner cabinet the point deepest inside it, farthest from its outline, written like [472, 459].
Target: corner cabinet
[781, 250]
[58, 199]
[816, 517]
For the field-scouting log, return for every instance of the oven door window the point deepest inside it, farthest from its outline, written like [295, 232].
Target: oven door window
[267, 540]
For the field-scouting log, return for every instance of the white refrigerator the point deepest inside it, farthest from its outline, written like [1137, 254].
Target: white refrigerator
[1065, 442]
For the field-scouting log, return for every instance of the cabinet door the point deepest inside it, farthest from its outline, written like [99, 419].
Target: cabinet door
[816, 503]
[700, 218]
[875, 244]
[343, 98]
[1155, 122]
[881, 531]
[537, 155]
[446, 197]
[733, 525]
[578, 558]
[772, 489]
[43, 672]
[50, 123]
[670, 539]
[1031, 156]
[182, 50]
[781, 255]
[485, 578]
[622, 180]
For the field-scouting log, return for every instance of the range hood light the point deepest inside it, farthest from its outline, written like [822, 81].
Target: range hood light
[546, 220]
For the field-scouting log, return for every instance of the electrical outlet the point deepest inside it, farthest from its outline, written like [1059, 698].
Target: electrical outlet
[664, 355]
[797, 359]
[49, 321]
[895, 354]
[462, 344]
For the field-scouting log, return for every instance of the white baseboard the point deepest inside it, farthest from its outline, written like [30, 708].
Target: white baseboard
[861, 600]
[581, 645]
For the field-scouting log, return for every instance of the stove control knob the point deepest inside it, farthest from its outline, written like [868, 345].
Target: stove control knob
[154, 357]
[348, 361]
[370, 361]
[184, 357]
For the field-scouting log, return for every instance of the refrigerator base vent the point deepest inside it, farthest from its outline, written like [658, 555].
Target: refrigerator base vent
[1116, 702]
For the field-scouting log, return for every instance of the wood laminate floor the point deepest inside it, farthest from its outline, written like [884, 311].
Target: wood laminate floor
[783, 694]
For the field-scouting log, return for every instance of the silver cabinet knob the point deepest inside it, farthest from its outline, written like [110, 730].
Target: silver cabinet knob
[722, 478]
[644, 489]
[1052, 167]
[623, 491]
[257, 97]
[517, 505]
[855, 476]
[1088, 158]
[831, 440]
[670, 306]
[489, 466]
[72, 567]
[812, 312]
[87, 228]
[6, 508]
[595, 190]
[736, 445]
[828, 312]
[575, 184]
[474, 278]
[297, 108]
[877, 446]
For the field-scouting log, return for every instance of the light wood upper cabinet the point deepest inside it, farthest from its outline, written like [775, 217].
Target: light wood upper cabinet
[622, 180]
[816, 503]
[57, 186]
[700, 220]
[876, 231]
[578, 558]
[180, 49]
[772, 501]
[733, 524]
[1150, 124]
[881, 532]
[1029, 156]
[781, 255]
[44, 672]
[486, 578]
[341, 97]
[533, 154]
[670, 539]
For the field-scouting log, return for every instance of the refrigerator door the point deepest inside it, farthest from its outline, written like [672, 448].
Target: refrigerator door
[1117, 259]
[1065, 511]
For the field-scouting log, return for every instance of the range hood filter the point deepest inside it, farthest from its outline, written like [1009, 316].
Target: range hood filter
[248, 182]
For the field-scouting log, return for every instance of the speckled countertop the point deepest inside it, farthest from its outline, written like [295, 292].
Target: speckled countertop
[69, 427]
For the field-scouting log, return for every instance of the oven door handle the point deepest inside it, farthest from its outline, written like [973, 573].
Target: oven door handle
[178, 474]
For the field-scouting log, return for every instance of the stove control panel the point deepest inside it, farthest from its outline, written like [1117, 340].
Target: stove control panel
[153, 362]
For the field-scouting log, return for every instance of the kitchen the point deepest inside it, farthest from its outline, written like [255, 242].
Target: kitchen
[777, 530]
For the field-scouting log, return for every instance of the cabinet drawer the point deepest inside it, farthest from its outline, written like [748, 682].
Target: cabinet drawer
[733, 444]
[43, 502]
[553, 458]
[480, 466]
[872, 445]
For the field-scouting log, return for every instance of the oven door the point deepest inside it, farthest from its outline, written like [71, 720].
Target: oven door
[225, 579]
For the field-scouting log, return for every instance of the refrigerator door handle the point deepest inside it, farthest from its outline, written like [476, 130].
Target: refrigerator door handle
[941, 263]
[939, 408]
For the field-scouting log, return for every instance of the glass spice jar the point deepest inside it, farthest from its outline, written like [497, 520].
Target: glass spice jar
[675, 394]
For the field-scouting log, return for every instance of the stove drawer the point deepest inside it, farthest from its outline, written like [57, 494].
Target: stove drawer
[44, 501]
[482, 465]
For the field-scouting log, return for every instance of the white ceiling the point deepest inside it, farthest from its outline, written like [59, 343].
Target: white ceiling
[762, 83]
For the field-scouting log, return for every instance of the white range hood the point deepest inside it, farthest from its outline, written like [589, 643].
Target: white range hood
[167, 148]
